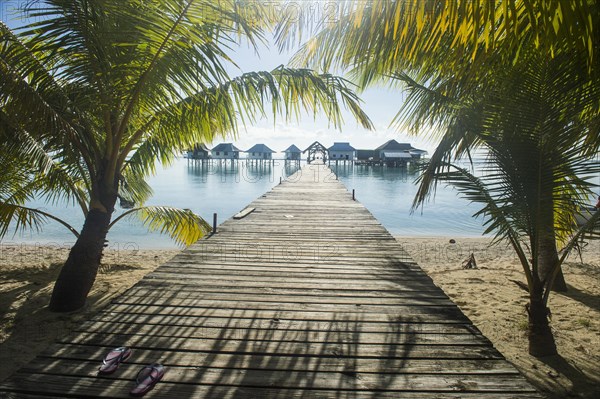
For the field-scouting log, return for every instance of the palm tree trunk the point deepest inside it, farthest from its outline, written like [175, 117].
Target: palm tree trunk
[541, 340]
[547, 251]
[79, 271]
[548, 258]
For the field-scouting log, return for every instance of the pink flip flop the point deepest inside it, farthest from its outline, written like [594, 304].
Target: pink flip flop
[147, 378]
[113, 359]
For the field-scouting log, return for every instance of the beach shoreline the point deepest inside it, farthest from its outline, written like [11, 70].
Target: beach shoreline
[488, 295]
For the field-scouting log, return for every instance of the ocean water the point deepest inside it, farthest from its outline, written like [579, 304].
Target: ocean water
[226, 189]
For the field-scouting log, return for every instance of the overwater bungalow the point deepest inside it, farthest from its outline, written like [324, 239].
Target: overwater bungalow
[392, 146]
[390, 153]
[200, 151]
[393, 153]
[292, 153]
[417, 154]
[225, 151]
[395, 156]
[367, 155]
[342, 152]
[260, 152]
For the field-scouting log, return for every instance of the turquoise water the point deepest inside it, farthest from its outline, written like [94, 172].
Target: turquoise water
[226, 189]
[389, 192]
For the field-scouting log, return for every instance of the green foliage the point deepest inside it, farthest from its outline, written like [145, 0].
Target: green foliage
[94, 92]
[376, 37]
[536, 121]
[182, 225]
[515, 80]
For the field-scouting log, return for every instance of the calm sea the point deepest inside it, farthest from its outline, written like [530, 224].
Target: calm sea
[226, 189]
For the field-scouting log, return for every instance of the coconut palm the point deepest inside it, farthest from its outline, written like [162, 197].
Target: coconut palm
[92, 93]
[517, 78]
[532, 120]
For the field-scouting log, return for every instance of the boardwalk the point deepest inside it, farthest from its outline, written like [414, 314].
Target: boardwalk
[306, 297]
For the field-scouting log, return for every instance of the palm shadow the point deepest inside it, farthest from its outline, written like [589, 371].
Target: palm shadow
[587, 299]
[32, 321]
[581, 382]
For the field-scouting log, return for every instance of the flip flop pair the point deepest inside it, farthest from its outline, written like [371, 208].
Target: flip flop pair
[147, 377]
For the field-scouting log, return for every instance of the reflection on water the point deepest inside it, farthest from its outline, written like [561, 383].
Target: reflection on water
[243, 171]
[389, 192]
[226, 188]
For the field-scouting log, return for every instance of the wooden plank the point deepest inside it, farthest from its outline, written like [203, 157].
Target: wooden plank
[245, 212]
[79, 353]
[173, 278]
[248, 321]
[409, 282]
[353, 292]
[69, 386]
[345, 379]
[350, 314]
[81, 365]
[189, 298]
[241, 343]
[415, 334]
[358, 310]
[318, 295]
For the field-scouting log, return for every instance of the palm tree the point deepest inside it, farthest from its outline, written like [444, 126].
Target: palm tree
[531, 119]
[517, 78]
[94, 92]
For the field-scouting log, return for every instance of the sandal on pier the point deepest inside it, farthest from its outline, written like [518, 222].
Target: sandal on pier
[113, 359]
[147, 378]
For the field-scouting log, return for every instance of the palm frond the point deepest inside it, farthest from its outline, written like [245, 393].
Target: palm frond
[54, 179]
[133, 187]
[498, 213]
[25, 218]
[22, 218]
[34, 100]
[182, 225]
[383, 36]
[215, 112]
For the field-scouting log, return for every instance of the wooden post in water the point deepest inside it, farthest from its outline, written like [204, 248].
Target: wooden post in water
[214, 231]
[353, 197]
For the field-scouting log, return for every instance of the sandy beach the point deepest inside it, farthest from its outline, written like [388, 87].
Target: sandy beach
[491, 298]
[488, 295]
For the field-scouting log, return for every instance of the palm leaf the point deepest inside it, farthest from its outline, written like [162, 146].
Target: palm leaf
[25, 218]
[182, 225]
[384, 35]
[215, 112]
[497, 212]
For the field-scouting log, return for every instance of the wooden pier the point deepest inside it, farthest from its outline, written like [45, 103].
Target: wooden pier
[307, 296]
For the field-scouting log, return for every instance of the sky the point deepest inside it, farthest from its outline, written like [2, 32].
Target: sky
[380, 104]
